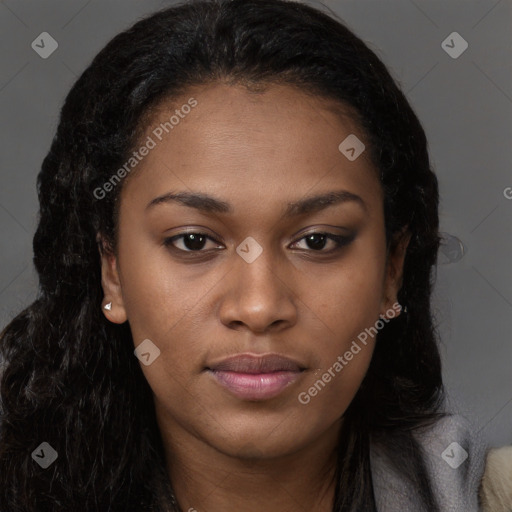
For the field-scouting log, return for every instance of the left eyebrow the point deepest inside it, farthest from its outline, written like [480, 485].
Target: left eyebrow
[319, 202]
[210, 204]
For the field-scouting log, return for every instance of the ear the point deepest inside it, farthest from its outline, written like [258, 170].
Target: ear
[394, 269]
[111, 284]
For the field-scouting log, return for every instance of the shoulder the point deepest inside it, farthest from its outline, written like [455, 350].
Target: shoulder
[496, 491]
[454, 457]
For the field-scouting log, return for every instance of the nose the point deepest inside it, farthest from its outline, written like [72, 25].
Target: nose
[258, 296]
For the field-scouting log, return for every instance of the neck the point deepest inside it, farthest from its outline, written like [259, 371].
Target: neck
[205, 478]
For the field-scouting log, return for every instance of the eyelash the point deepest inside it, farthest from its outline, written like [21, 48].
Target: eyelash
[340, 240]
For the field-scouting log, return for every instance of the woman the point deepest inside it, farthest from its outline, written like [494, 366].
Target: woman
[238, 227]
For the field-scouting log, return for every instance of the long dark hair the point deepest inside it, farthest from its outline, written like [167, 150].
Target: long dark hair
[71, 378]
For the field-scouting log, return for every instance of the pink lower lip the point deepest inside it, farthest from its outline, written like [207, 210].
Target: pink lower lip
[255, 386]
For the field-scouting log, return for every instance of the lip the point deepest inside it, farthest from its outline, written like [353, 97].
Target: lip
[256, 377]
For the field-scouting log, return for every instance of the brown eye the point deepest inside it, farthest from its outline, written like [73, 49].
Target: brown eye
[192, 242]
[317, 241]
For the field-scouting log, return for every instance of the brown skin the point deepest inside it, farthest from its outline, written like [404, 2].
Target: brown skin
[257, 152]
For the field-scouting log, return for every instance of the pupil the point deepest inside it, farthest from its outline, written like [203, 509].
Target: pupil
[311, 238]
[194, 242]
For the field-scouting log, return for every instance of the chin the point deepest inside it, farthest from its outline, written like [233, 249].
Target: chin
[258, 446]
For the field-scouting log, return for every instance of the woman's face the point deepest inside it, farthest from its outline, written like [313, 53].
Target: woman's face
[262, 280]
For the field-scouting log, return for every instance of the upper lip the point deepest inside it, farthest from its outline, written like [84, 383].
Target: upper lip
[250, 363]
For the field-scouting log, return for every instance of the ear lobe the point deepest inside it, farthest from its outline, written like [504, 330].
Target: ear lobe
[111, 285]
[395, 267]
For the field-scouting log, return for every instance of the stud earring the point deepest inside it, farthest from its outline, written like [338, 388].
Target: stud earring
[108, 306]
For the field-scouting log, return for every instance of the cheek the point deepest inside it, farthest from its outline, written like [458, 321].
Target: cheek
[344, 346]
[158, 297]
[348, 298]
[330, 390]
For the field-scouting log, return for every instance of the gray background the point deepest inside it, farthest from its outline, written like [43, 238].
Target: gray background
[465, 105]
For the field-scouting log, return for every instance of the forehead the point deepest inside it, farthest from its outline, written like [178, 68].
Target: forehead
[236, 143]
